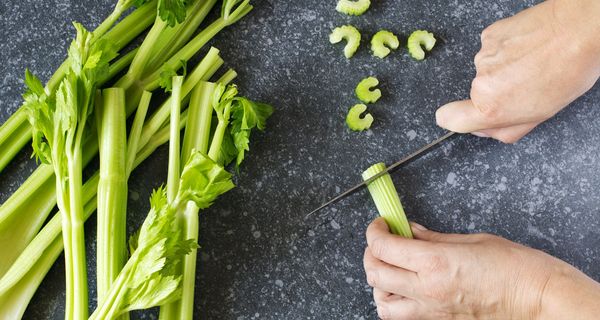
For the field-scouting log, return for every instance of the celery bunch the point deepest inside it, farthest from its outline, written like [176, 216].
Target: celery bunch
[60, 113]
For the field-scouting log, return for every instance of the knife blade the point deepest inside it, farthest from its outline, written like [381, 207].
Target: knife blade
[389, 169]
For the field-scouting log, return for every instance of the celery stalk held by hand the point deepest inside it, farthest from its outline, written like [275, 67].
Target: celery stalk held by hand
[387, 201]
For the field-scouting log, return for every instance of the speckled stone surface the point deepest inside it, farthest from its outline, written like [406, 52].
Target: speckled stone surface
[260, 259]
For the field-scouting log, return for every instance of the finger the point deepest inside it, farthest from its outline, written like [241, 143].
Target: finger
[464, 117]
[395, 250]
[422, 233]
[380, 295]
[396, 307]
[508, 135]
[390, 279]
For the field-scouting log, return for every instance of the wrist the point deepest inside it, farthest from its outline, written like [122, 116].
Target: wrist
[569, 294]
[579, 20]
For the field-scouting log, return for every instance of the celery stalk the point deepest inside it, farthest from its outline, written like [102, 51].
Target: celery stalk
[228, 17]
[112, 190]
[197, 135]
[136, 129]
[174, 141]
[159, 117]
[169, 311]
[176, 37]
[387, 201]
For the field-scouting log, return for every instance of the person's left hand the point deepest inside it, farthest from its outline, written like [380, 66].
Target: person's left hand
[480, 276]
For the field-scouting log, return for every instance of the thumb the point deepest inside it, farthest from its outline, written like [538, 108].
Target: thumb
[421, 233]
[463, 117]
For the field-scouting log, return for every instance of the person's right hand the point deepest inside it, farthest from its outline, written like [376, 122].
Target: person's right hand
[530, 67]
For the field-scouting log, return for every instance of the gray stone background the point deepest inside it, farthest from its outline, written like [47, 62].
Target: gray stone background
[260, 259]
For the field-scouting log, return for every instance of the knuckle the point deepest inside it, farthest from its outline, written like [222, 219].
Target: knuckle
[478, 59]
[379, 248]
[437, 263]
[487, 34]
[372, 277]
[436, 293]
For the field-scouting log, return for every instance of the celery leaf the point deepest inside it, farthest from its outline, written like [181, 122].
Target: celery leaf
[172, 12]
[247, 115]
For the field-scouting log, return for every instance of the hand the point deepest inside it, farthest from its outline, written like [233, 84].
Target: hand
[530, 67]
[452, 276]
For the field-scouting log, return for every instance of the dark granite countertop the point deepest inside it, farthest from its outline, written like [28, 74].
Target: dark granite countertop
[260, 259]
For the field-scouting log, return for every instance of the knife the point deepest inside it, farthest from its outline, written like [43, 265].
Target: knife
[389, 169]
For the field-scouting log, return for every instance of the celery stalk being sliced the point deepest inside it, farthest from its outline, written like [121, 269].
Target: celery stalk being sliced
[387, 201]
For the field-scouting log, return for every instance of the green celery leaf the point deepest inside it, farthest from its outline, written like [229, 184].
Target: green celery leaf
[247, 115]
[172, 12]
[39, 108]
[203, 180]
[167, 74]
[228, 151]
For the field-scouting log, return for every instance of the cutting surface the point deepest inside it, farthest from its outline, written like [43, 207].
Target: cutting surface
[260, 259]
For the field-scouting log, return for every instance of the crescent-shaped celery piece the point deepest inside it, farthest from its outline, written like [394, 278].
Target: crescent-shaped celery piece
[353, 8]
[383, 42]
[348, 33]
[386, 200]
[364, 92]
[417, 41]
[355, 122]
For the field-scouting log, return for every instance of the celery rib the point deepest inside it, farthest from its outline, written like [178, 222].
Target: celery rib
[17, 140]
[112, 190]
[387, 201]
[176, 37]
[197, 135]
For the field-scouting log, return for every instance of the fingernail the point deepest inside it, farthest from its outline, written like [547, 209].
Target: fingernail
[480, 134]
[418, 226]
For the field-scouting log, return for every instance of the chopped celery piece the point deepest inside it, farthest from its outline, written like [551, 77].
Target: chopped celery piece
[382, 42]
[386, 200]
[355, 122]
[353, 8]
[416, 40]
[364, 92]
[348, 33]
